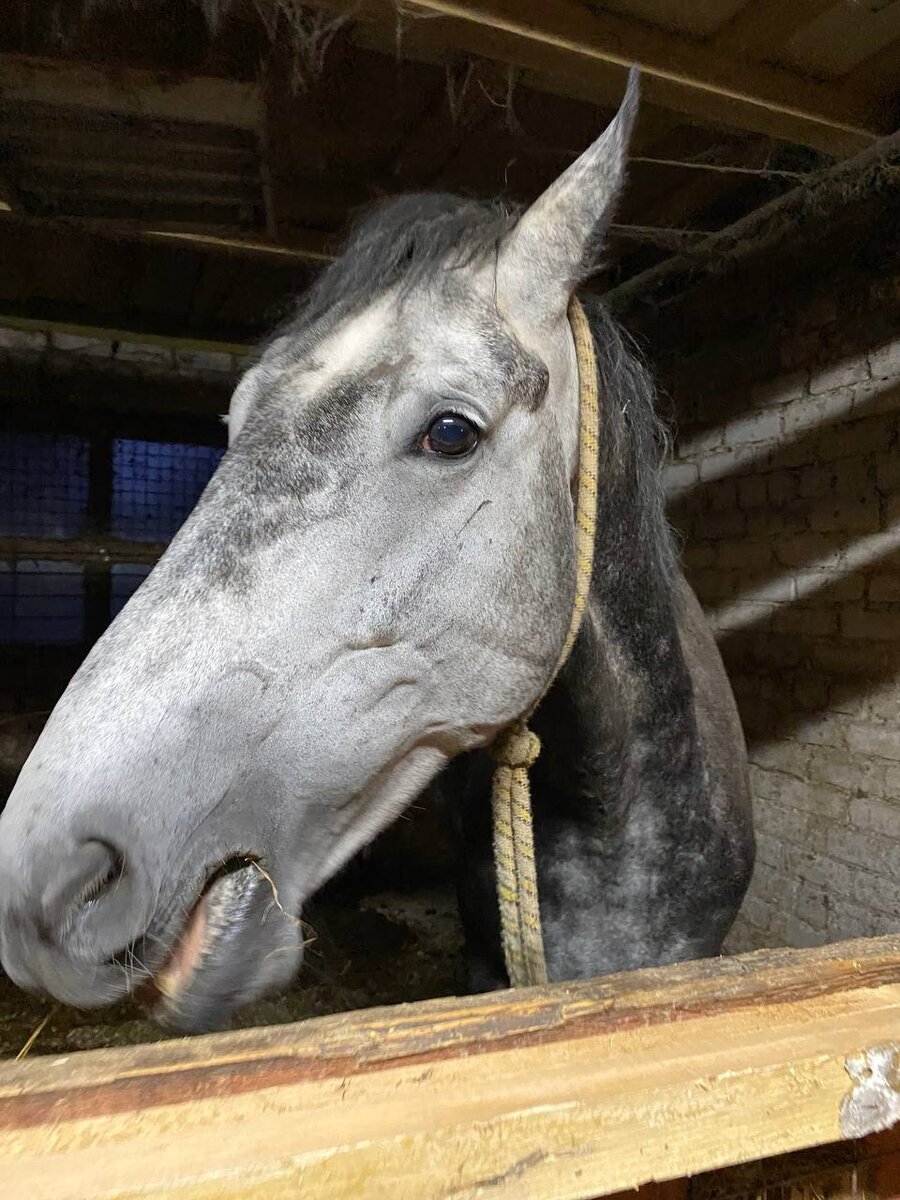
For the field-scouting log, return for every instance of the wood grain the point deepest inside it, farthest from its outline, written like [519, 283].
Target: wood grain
[556, 1093]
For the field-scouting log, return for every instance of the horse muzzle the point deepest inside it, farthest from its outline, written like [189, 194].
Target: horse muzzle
[82, 921]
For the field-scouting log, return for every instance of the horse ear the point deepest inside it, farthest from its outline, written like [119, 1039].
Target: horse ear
[556, 243]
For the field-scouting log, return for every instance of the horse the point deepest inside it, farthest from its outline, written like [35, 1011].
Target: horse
[375, 584]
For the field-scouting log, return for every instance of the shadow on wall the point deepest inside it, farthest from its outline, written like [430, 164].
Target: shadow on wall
[792, 532]
[786, 489]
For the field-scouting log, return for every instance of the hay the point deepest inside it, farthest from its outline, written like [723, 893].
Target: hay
[36, 1033]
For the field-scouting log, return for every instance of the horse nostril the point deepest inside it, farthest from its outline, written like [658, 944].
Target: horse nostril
[81, 880]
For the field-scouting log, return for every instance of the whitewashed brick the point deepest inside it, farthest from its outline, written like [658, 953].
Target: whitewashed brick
[872, 739]
[786, 757]
[812, 412]
[839, 375]
[764, 426]
[144, 354]
[855, 883]
[823, 310]
[785, 389]
[860, 622]
[83, 347]
[885, 361]
[798, 350]
[881, 817]
[801, 934]
[23, 341]
[681, 476]
[691, 446]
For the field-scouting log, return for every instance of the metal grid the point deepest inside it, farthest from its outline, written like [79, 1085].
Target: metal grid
[155, 486]
[43, 485]
[52, 488]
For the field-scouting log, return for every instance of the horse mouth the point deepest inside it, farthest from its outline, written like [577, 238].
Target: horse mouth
[236, 943]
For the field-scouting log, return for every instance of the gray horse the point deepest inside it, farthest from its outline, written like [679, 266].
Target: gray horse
[376, 581]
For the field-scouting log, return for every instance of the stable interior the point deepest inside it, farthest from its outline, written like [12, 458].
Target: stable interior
[168, 181]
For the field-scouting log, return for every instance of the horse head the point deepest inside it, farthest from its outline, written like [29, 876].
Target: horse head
[378, 577]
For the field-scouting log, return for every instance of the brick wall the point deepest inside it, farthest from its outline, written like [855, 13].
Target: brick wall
[60, 350]
[785, 486]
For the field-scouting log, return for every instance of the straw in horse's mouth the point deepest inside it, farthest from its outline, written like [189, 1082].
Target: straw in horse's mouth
[205, 922]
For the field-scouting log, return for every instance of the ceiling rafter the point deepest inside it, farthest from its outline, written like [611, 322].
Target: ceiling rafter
[575, 47]
[824, 192]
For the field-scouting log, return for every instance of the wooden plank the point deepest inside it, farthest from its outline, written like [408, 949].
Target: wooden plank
[762, 27]
[572, 44]
[557, 1093]
[130, 91]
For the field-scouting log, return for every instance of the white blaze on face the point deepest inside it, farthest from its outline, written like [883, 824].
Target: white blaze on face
[348, 347]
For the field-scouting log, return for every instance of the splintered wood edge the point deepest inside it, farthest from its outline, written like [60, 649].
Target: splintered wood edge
[570, 1090]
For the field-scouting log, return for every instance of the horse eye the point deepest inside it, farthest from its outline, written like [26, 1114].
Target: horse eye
[451, 435]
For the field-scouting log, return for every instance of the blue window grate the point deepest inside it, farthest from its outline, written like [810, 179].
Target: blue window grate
[146, 490]
[155, 486]
[43, 485]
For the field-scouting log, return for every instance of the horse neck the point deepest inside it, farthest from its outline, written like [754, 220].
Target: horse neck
[619, 720]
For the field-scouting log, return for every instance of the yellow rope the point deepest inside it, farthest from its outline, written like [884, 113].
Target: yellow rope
[517, 748]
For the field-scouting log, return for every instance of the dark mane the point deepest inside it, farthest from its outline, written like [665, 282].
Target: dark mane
[402, 243]
[634, 441]
[408, 240]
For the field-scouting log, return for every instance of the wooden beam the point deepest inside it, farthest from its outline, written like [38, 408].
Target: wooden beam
[573, 44]
[558, 1093]
[305, 245]
[804, 207]
[94, 550]
[130, 91]
[762, 27]
[189, 409]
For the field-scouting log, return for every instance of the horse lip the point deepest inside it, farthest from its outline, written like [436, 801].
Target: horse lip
[209, 971]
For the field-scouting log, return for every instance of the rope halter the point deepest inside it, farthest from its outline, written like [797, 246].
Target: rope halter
[517, 748]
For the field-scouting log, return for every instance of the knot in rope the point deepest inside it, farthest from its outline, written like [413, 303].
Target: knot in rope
[516, 747]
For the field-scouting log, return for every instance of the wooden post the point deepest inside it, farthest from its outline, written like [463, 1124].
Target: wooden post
[559, 1093]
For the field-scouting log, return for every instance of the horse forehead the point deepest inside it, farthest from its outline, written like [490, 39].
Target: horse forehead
[352, 345]
[465, 331]
[451, 330]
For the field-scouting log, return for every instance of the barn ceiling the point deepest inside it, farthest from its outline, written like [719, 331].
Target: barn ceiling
[183, 164]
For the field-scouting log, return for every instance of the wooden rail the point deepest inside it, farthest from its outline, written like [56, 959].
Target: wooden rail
[570, 1091]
